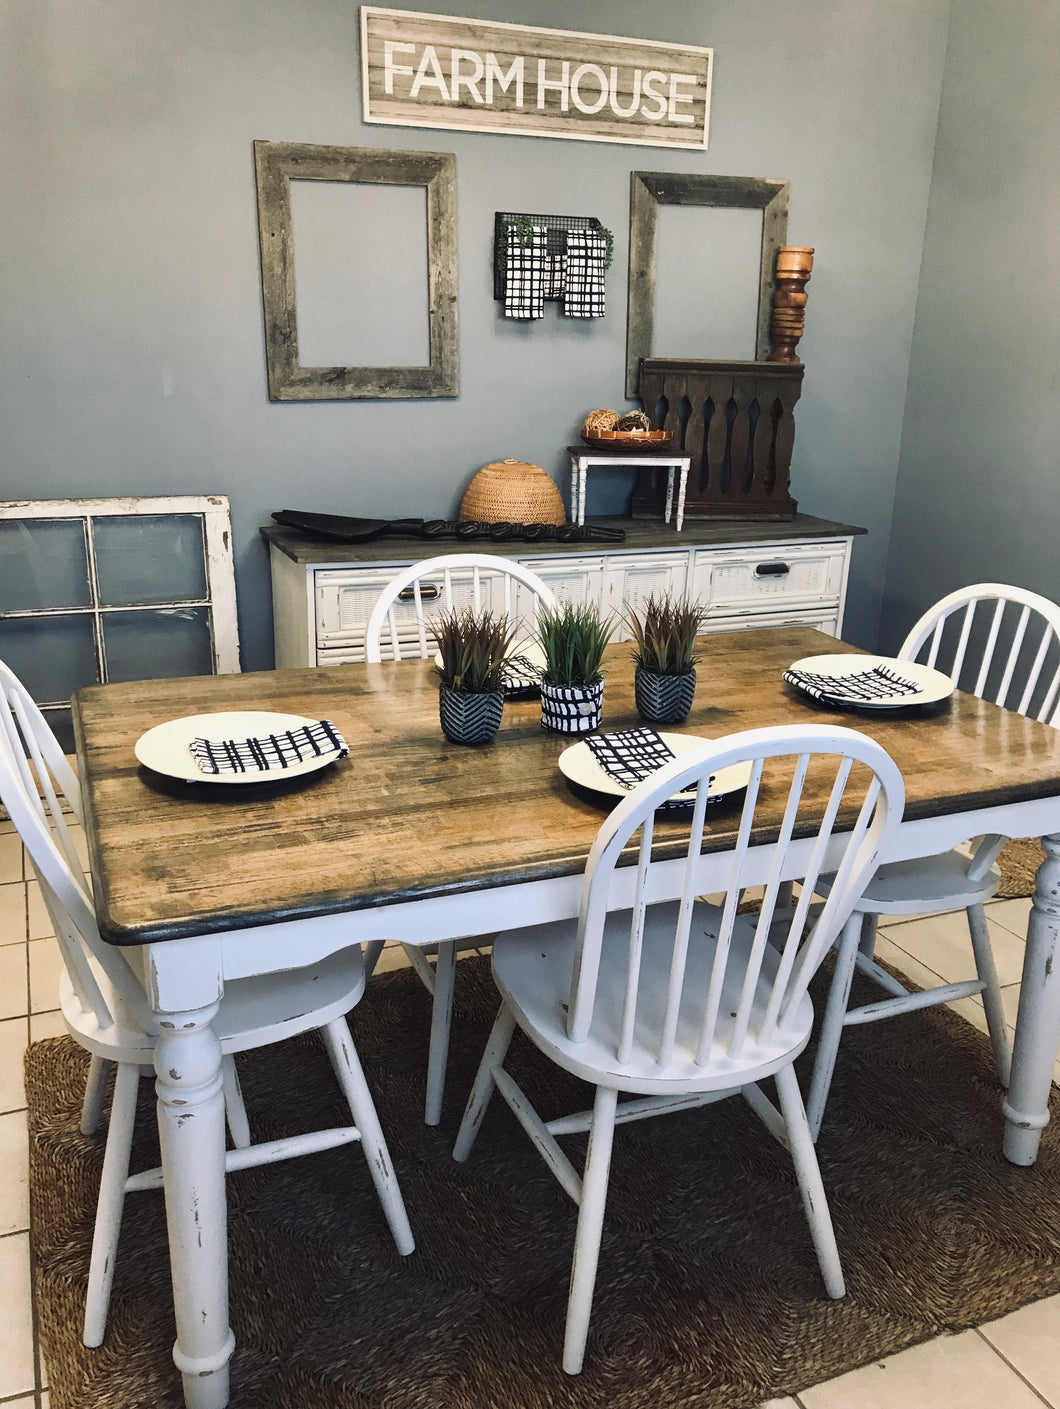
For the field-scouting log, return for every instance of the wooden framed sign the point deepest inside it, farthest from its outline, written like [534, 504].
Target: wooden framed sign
[421, 70]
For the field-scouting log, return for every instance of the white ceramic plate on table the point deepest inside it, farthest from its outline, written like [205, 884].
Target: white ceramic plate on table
[164, 749]
[578, 765]
[931, 685]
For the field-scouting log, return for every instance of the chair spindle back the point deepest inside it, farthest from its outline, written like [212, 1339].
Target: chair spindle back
[453, 581]
[999, 643]
[845, 826]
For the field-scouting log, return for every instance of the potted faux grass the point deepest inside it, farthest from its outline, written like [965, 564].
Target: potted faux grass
[665, 632]
[573, 637]
[472, 646]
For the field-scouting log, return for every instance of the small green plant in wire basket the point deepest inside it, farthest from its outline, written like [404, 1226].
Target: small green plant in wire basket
[573, 637]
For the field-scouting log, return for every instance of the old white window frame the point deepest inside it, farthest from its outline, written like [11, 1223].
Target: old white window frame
[220, 600]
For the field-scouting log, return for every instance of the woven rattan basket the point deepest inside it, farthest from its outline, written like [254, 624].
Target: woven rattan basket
[512, 491]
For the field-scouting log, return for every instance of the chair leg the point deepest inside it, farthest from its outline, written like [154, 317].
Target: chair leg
[832, 1023]
[95, 1086]
[350, 1076]
[995, 1013]
[590, 1228]
[811, 1187]
[110, 1203]
[235, 1110]
[496, 1050]
[371, 950]
[441, 1021]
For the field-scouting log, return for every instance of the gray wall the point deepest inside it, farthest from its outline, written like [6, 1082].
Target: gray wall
[977, 488]
[131, 346]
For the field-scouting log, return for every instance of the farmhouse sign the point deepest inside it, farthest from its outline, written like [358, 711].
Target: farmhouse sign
[423, 70]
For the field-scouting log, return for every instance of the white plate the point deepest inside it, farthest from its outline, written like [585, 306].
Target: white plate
[165, 747]
[578, 765]
[932, 684]
[530, 648]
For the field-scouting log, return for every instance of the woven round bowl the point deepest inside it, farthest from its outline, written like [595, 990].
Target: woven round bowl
[512, 491]
[624, 440]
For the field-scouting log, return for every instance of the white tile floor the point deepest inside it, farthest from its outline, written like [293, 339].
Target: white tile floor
[1013, 1363]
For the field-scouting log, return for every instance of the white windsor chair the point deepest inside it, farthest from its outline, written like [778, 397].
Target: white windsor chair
[680, 1002]
[106, 1011]
[1008, 654]
[451, 581]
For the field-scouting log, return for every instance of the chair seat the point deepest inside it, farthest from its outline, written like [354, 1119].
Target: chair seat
[925, 886]
[532, 969]
[254, 1012]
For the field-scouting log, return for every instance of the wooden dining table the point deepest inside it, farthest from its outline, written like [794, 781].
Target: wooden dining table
[415, 839]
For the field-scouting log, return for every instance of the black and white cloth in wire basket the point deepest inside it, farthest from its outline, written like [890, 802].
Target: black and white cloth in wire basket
[583, 278]
[528, 279]
[868, 682]
[277, 752]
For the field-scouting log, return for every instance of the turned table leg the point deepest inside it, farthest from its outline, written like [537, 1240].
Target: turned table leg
[191, 1117]
[1026, 1104]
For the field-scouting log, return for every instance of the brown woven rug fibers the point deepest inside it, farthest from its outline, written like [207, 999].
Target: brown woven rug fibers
[1019, 862]
[708, 1292]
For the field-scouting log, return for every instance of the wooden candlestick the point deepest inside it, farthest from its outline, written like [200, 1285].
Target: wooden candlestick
[789, 301]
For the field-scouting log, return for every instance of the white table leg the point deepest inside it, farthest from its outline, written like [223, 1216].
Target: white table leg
[670, 492]
[582, 471]
[191, 1116]
[1026, 1105]
[681, 492]
[574, 468]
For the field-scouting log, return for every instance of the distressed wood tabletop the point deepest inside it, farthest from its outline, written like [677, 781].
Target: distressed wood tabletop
[408, 814]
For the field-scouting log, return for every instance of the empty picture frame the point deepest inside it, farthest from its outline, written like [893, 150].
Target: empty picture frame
[277, 164]
[650, 189]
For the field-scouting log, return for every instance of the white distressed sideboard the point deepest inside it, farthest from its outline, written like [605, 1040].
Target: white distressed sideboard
[747, 574]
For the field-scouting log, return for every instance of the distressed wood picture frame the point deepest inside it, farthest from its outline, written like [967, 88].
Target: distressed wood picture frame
[650, 189]
[277, 164]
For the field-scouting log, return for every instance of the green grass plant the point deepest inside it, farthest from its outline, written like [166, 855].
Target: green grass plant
[573, 637]
[473, 646]
[665, 631]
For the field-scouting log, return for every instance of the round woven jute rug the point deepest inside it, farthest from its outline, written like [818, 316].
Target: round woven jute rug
[1019, 862]
[708, 1295]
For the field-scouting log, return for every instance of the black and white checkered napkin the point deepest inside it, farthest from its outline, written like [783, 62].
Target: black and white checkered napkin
[633, 755]
[583, 283]
[866, 687]
[527, 271]
[521, 676]
[269, 753]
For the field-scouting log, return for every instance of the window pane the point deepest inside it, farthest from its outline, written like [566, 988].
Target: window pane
[52, 656]
[43, 563]
[62, 727]
[158, 645]
[150, 558]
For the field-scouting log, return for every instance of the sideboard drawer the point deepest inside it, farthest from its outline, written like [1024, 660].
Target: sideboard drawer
[769, 578]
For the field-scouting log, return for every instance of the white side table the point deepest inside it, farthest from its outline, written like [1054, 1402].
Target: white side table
[583, 458]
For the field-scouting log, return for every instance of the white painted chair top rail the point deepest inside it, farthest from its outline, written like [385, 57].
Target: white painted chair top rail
[480, 569]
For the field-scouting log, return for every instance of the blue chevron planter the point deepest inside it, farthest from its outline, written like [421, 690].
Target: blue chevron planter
[663, 699]
[469, 718]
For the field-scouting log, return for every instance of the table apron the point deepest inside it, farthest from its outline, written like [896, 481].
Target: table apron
[186, 974]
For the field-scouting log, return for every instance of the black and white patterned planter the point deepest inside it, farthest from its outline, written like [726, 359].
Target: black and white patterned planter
[663, 699]
[469, 718]
[571, 709]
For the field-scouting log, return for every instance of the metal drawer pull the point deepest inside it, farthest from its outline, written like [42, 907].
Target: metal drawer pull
[427, 593]
[772, 570]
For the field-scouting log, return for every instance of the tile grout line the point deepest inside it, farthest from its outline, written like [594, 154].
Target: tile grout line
[1006, 1361]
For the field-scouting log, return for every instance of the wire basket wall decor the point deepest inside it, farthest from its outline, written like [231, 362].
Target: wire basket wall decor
[555, 227]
